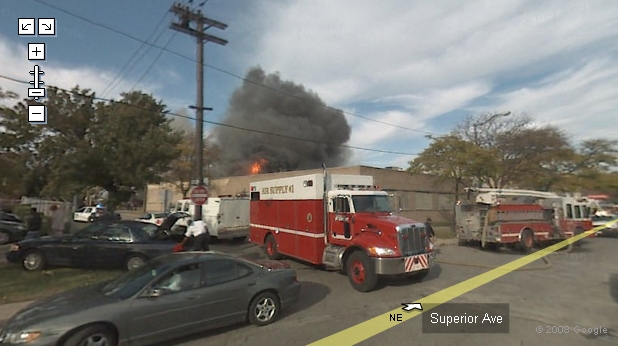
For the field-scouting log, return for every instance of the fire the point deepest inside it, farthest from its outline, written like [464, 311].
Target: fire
[257, 166]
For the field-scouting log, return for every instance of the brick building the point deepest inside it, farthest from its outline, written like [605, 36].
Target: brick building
[420, 196]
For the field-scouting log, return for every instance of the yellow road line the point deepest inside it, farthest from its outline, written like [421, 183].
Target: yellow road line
[376, 325]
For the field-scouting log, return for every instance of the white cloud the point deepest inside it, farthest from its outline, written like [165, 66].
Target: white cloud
[582, 102]
[435, 57]
[429, 104]
[366, 134]
[15, 65]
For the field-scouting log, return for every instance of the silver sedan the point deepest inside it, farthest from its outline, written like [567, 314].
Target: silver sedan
[170, 297]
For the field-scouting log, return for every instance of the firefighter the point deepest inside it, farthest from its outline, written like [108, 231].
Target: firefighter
[429, 230]
[198, 231]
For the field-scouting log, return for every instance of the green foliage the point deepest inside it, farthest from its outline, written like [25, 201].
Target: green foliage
[513, 152]
[182, 169]
[116, 146]
[22, 211]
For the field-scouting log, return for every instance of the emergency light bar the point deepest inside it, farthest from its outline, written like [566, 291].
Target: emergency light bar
[357, 187]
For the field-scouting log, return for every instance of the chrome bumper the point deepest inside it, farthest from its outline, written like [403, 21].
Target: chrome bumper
[396, 266]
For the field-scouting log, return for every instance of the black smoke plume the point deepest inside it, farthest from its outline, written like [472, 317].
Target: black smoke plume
[296, 113]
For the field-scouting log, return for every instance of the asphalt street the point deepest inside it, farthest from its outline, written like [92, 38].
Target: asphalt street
[577, 290]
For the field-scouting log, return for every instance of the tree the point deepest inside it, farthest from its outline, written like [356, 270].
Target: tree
[116, 146]
[451, 157]
[182, 169]
[132, 144]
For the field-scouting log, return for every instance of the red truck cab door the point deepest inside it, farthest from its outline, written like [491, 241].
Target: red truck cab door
[340, 219]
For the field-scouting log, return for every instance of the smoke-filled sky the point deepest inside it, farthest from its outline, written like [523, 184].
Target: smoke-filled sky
[303, 116]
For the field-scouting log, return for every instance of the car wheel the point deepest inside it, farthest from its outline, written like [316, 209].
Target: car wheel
[33, 260]
[91, 336]
[134, 262]
[264, 309]
[5, 237]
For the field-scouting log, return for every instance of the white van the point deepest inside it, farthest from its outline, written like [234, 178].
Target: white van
[226, 217]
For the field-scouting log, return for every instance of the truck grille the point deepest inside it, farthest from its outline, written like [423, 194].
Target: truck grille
[411, 239]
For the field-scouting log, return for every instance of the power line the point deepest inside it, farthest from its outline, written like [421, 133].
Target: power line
[232, 74]
[121, 72]
[152, 63]
[224, 125]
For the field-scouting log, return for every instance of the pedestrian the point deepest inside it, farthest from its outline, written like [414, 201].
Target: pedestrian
[33, 223]
[200, 235]
[57, 221]
[429, 230]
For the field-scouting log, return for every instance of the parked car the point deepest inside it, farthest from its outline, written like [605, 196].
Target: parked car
[170, 297]
[12, 228]
[122, 244]
[174, 225]
[85, 214]
[610, 231]
[154, 218]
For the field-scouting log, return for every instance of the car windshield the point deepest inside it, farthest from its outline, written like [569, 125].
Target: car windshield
[371, 203]
[132, 282]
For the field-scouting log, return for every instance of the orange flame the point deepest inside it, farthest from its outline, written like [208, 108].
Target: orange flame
[257, 166]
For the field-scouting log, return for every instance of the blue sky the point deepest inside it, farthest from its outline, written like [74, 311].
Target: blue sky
[412, 64]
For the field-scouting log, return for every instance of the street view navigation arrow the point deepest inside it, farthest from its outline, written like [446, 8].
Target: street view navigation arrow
[412, 306]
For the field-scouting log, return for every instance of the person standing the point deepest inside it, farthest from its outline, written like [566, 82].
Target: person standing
[429, 231]
[34, 223]
[57, 221]
[200, 235]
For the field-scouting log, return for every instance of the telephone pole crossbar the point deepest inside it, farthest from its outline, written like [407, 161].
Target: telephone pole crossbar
[186, 17]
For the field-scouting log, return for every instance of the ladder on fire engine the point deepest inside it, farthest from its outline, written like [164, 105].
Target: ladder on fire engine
[493, 194]
[513, 192]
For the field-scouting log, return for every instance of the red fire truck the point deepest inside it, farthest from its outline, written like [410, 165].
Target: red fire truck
[340, 222]
[519, 218]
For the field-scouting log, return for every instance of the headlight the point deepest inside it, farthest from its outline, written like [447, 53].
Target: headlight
[13, 248]
[21, 338]
[380, 251]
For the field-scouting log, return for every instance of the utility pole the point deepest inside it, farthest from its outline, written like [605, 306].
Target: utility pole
[186, 17]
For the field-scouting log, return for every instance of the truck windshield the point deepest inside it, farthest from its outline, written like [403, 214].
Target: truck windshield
[371, 203]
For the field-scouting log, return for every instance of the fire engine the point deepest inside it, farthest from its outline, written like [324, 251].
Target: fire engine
[340, 222]
[520, 218]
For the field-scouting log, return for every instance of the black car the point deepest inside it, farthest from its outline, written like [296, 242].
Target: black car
[121, 244]
[12, 228]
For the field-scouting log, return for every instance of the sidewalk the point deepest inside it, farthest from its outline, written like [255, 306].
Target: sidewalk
[8, 310]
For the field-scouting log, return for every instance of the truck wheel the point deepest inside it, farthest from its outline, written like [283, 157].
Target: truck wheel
[271, 248]
[361, 272]
[526, 243]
